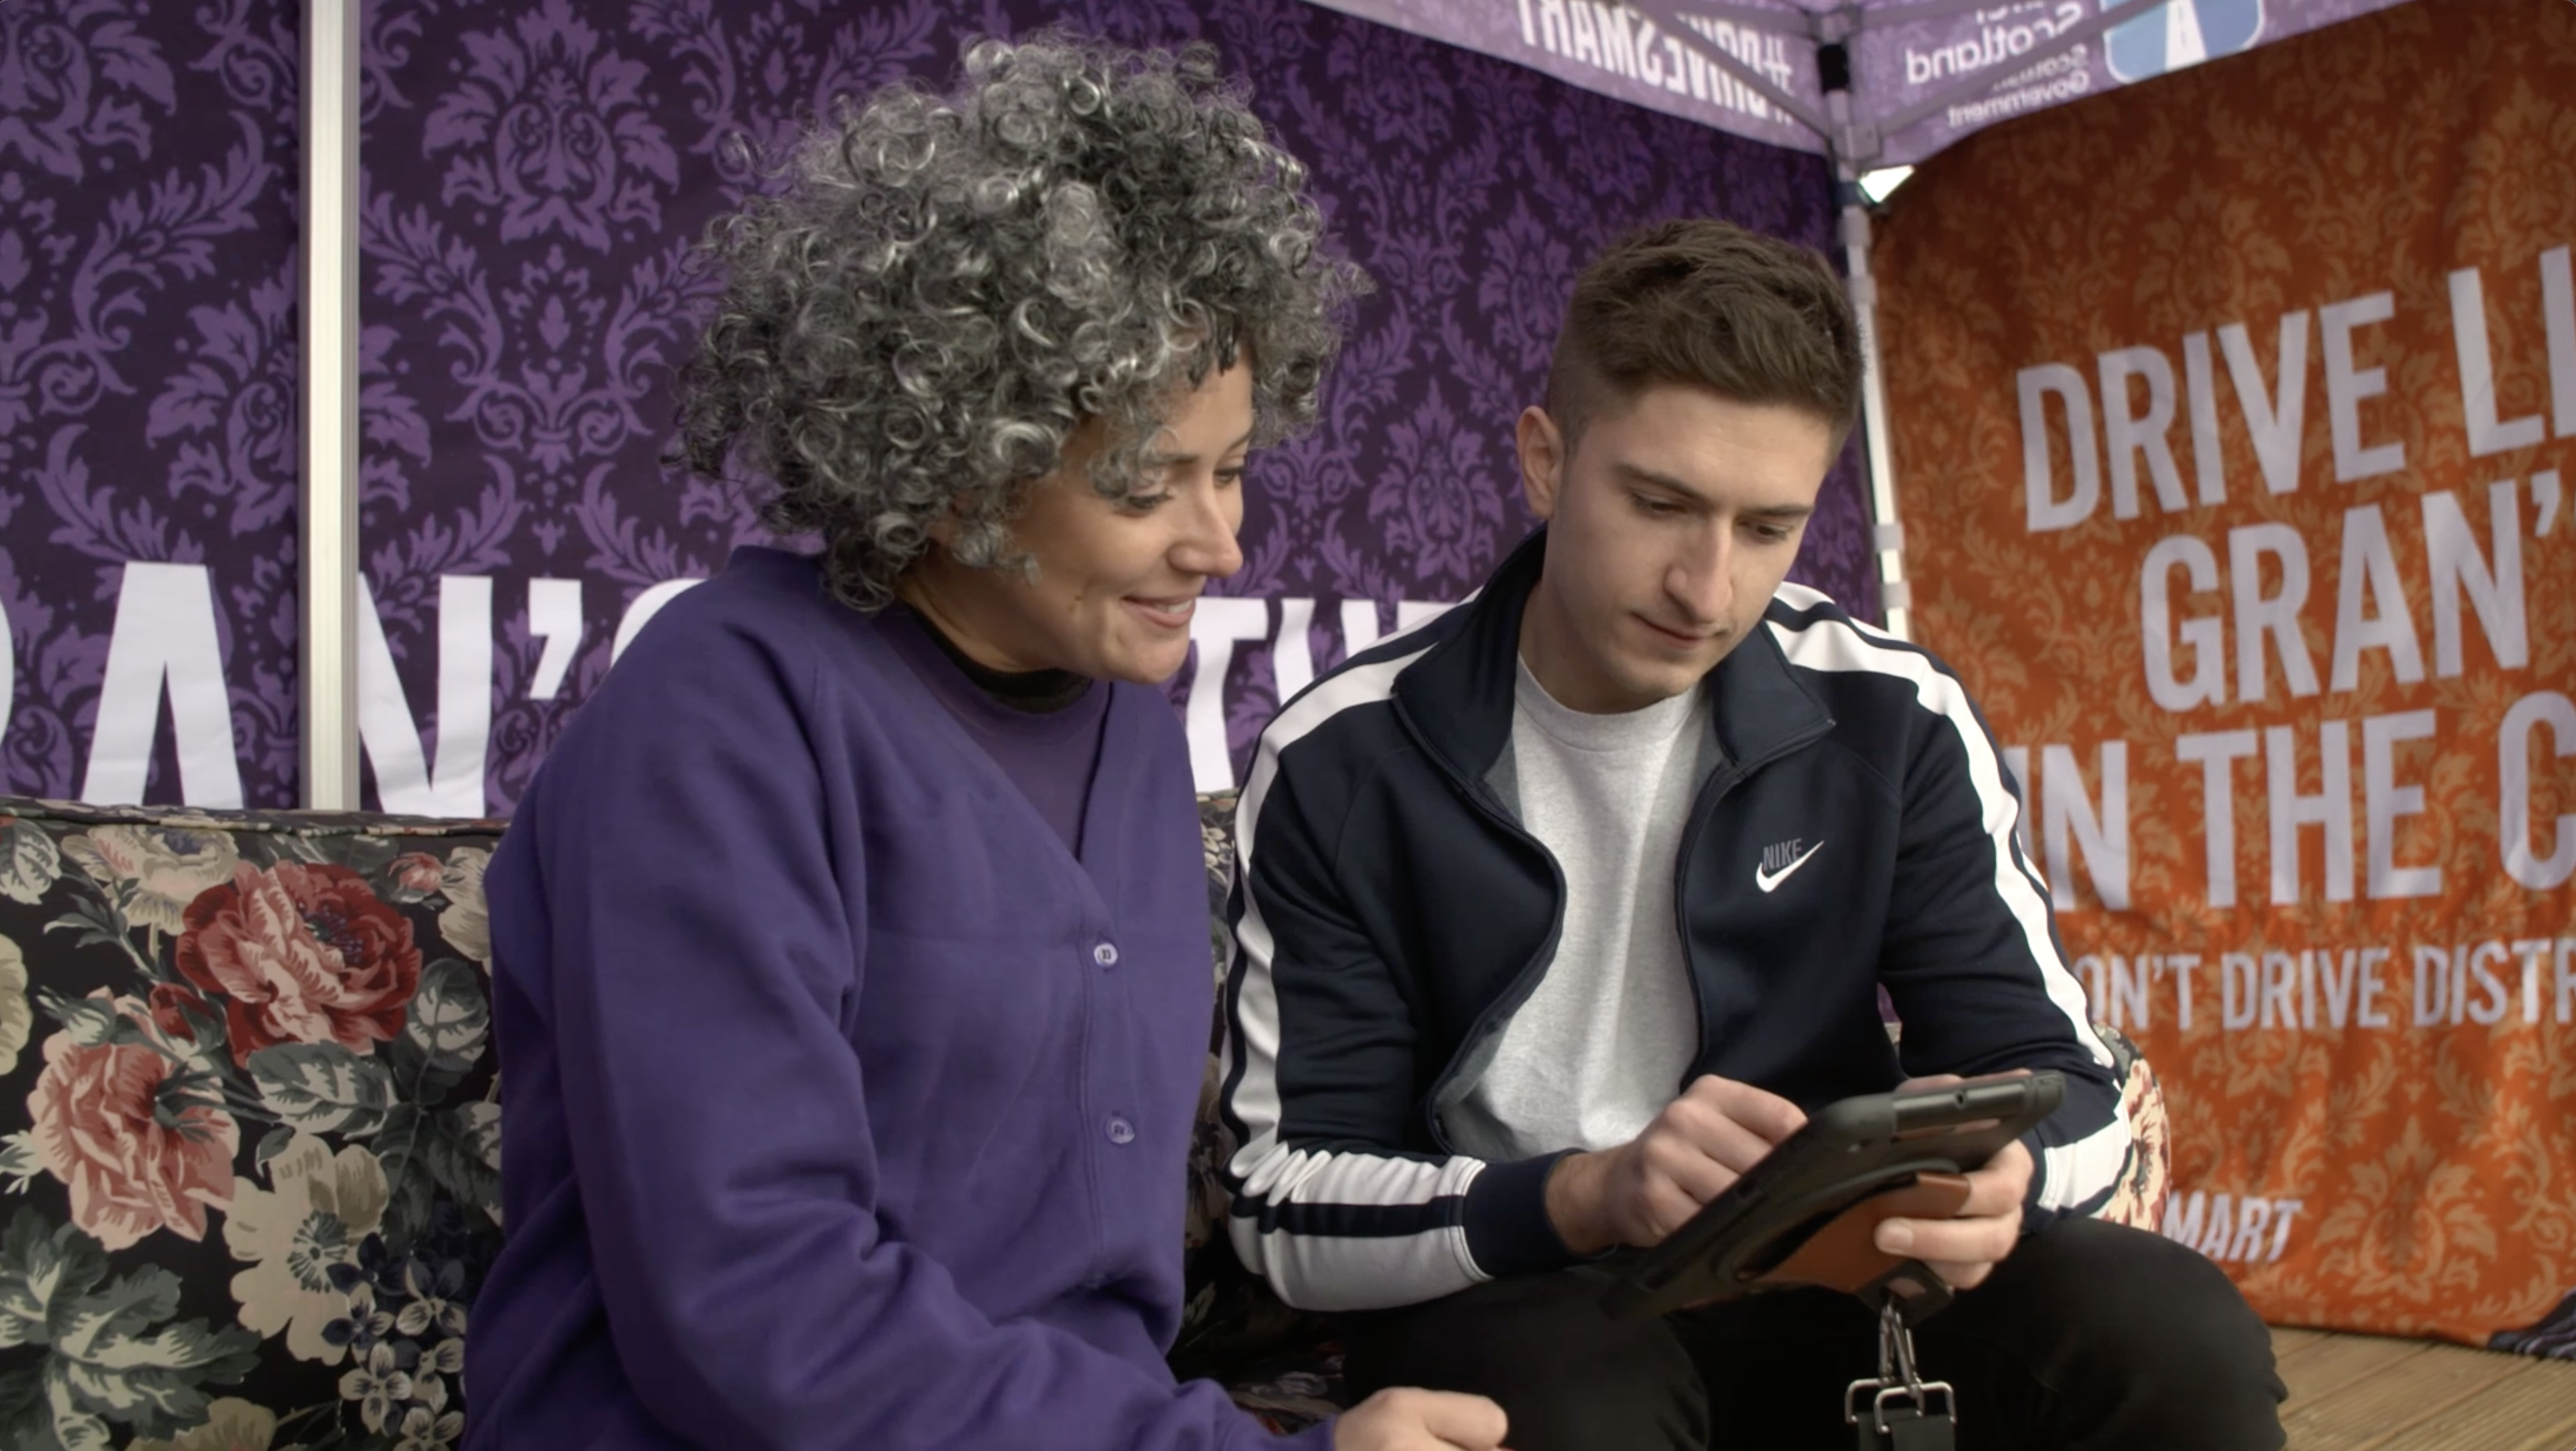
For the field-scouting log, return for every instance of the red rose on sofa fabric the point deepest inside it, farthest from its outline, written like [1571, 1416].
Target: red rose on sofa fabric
[129, 1173]
[300, 954]
[418, 871]
[168, 1006]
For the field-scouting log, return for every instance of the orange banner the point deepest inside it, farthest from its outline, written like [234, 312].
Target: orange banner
[2235, 434]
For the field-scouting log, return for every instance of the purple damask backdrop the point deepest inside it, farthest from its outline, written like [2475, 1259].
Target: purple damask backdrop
[534, 175]
[535, 172]
[148, 163]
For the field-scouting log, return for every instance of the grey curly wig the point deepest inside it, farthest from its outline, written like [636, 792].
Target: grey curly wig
[947, 286]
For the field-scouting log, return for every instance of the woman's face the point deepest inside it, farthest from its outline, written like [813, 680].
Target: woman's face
[1116, 584]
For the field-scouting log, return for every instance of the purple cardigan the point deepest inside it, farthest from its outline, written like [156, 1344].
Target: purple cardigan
[845, 1108]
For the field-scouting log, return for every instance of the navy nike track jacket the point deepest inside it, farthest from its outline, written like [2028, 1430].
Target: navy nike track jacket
[1390, 914]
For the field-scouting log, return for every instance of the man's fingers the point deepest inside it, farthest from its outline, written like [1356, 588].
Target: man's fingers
[1950, 1240]
[1407, 1418]
[1769, 1116]
[1691, 1169]
[1987, 1227]
[1994, 1195]
[1471, 1423]
[1703, 1131]
[1667, 1208]
[2000, 1186]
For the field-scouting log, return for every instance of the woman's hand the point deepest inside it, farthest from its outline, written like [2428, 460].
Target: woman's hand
[1406, 1419]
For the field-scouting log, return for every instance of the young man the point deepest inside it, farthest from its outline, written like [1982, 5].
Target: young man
[1557, 914]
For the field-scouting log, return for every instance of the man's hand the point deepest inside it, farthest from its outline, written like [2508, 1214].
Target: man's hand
[1650, 1186]
[1964, 1250]
[1405, 1419]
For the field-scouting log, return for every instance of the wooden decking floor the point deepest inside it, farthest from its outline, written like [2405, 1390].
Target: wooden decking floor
[2371, 1393]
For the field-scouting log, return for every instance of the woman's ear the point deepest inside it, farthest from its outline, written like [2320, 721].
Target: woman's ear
[945, 526]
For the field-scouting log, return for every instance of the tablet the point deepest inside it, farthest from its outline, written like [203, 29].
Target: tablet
[1845, 1153]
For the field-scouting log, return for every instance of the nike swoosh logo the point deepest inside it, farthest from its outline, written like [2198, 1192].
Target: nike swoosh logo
[1768, 881]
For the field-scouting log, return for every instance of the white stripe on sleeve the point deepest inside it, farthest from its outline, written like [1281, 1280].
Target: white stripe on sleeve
[1330, 1272]
[2075, 1173]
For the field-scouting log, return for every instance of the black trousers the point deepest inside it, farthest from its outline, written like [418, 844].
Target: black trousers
[2089, 1337]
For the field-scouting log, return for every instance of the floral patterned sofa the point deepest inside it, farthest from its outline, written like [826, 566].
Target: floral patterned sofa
[249, 1131]
[250, 1138]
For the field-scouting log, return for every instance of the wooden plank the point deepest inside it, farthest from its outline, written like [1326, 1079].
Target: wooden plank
[2372, 1410]
[2289, 1339]
[2531, 1408]
[2318, 1370]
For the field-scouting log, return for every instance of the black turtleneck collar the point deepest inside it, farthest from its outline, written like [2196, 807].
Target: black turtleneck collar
[1031, 692]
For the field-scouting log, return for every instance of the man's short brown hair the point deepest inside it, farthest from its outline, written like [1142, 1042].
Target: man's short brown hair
[1707, 304]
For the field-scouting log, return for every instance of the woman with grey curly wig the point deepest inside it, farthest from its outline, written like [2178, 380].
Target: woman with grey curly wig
[850, 949]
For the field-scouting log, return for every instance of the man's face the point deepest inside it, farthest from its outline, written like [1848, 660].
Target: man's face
[1669, 525]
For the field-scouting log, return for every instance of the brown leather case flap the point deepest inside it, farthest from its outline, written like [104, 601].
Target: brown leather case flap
[1843, 1256]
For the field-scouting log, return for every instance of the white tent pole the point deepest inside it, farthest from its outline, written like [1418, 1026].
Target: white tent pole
[1852, 144]
[1887, 536]
[329, 521]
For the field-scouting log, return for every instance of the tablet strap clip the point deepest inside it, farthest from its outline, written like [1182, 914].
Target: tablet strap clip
[1899, 1410]
[1911, 1289]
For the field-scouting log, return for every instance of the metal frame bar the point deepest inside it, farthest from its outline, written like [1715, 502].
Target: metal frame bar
[328, 532]
[1882, 17]
[1855, 17]
[1798, 20]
